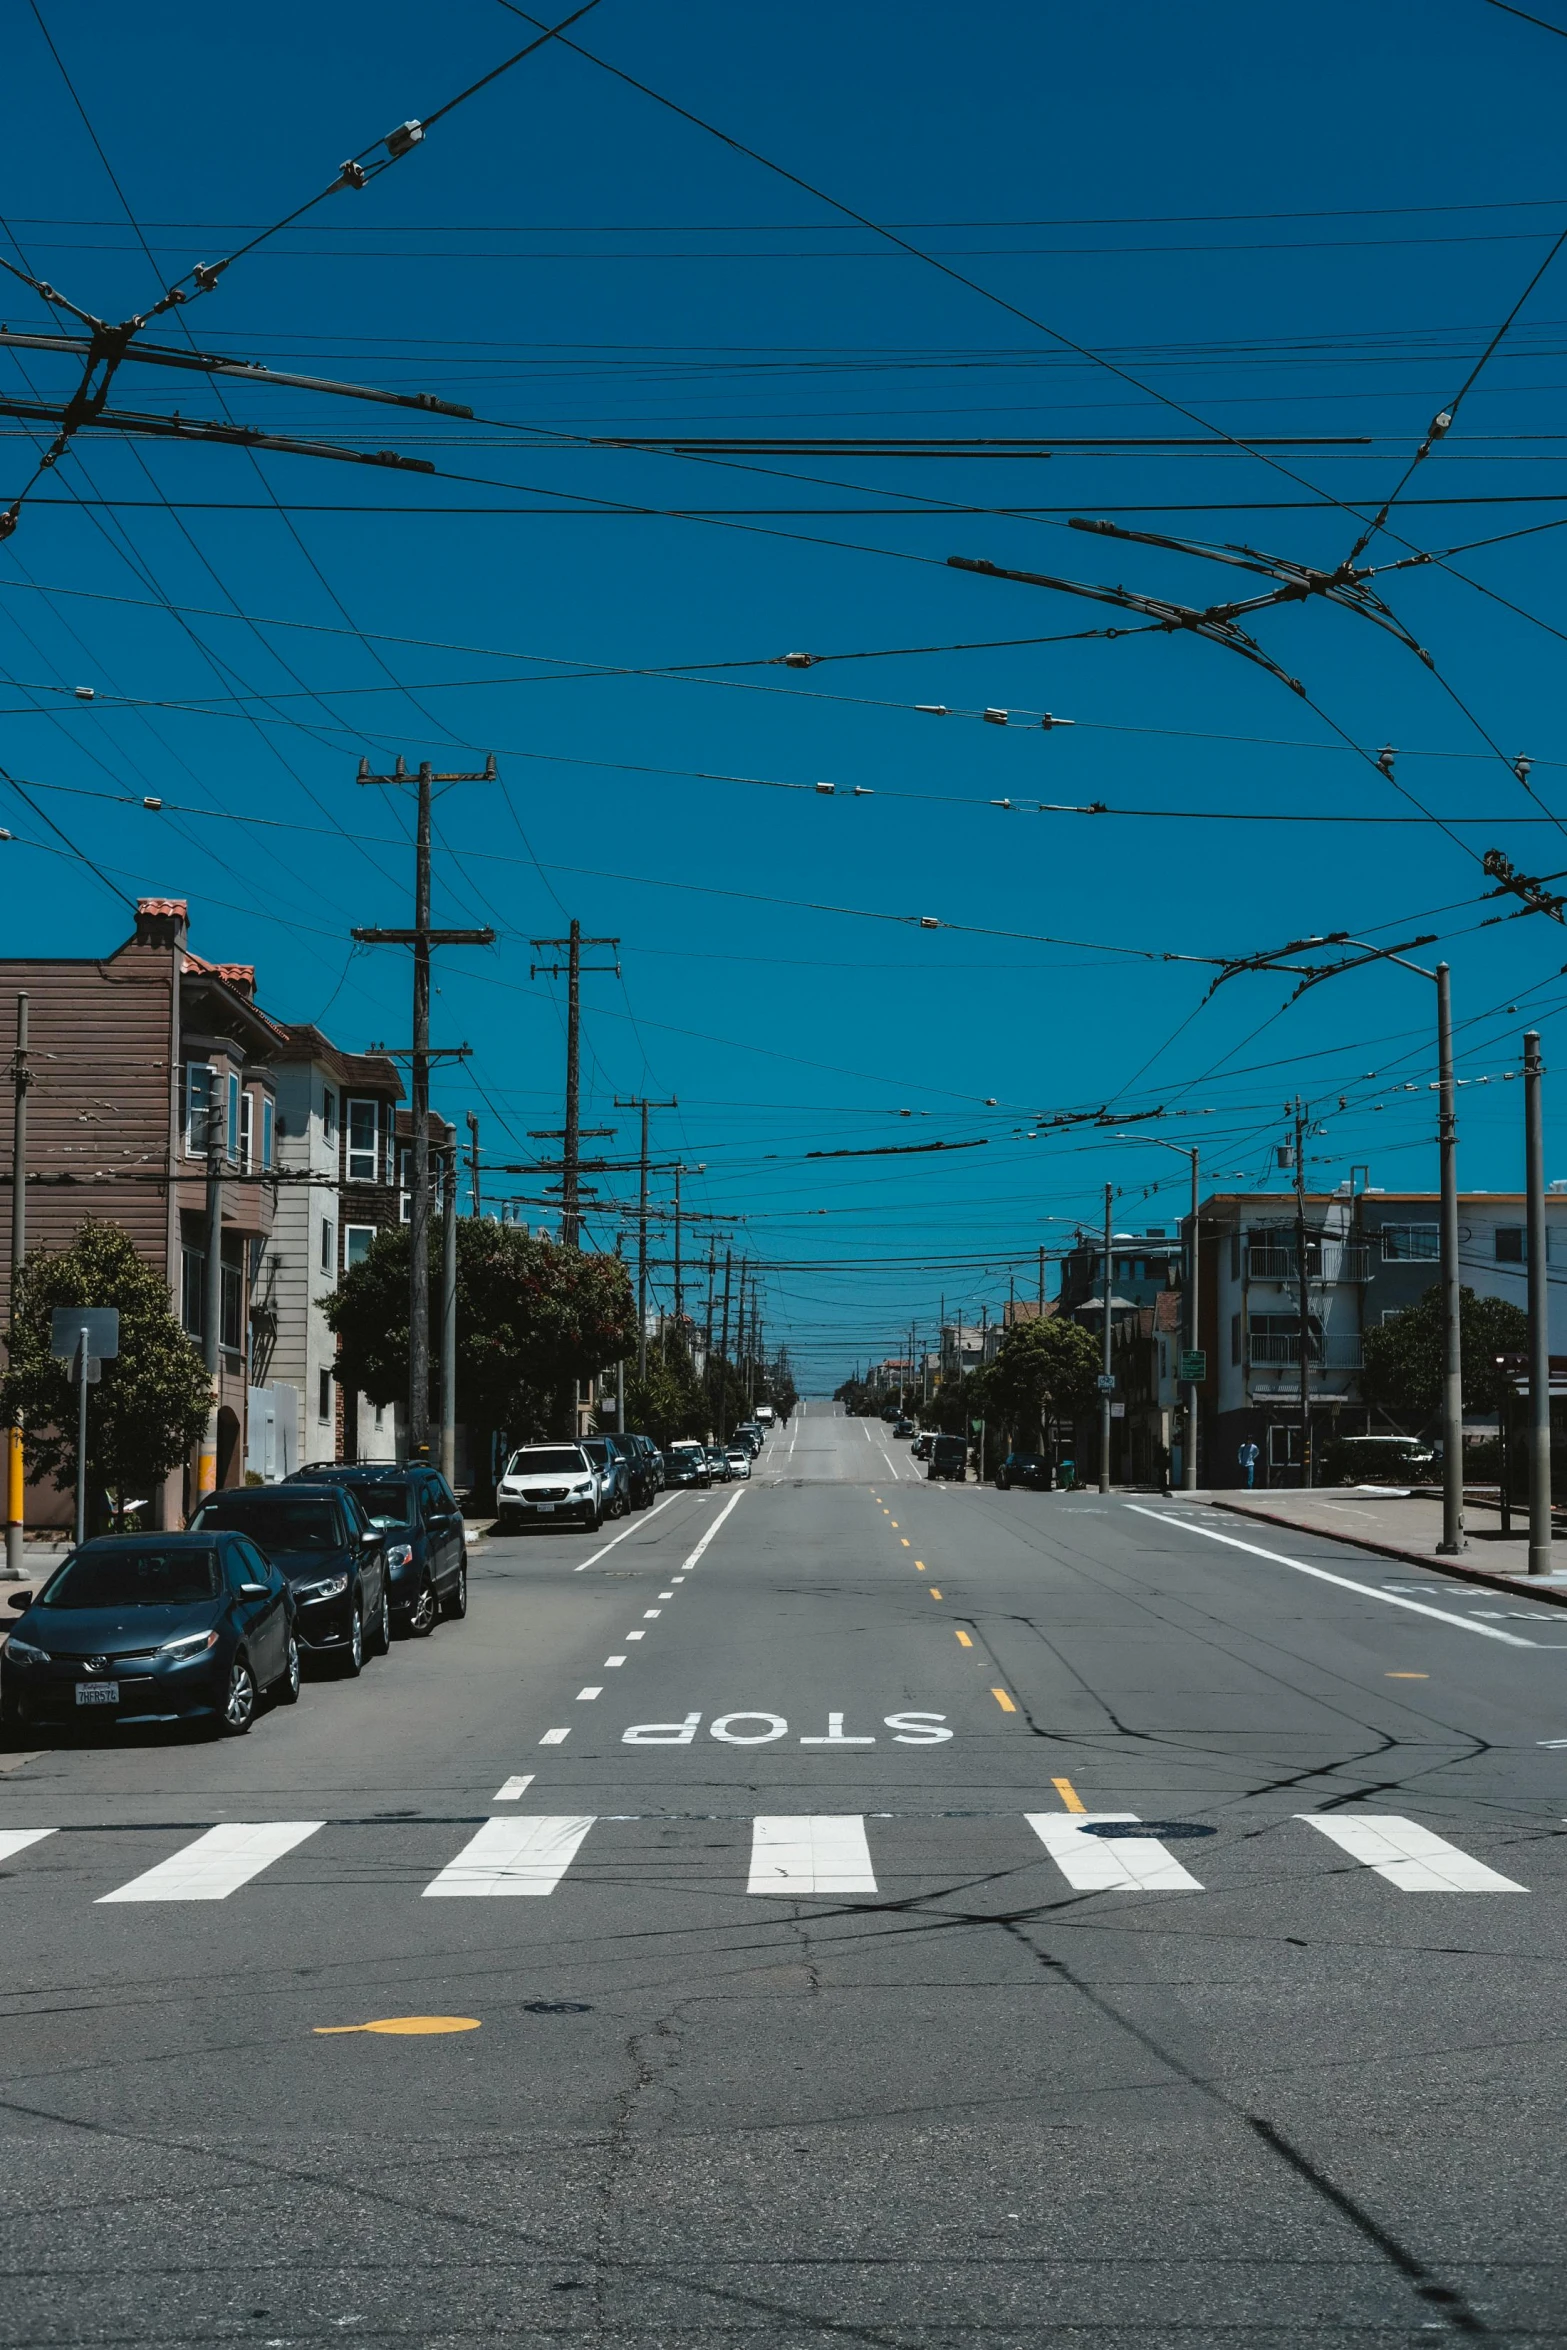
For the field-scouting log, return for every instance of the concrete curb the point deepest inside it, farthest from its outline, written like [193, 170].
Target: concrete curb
[1529, 1585]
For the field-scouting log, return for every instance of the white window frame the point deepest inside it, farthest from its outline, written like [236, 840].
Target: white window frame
[351, 1233]
[328, 1245]
[247, 1132]
[268, 1131]
[361, 1165]
[231, 1123]
[198, 1083]
[1395, 1256]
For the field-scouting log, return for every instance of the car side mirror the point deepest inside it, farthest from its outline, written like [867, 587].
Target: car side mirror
[254, 1591]
[20, 1600]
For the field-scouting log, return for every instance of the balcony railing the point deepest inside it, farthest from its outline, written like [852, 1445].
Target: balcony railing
[1330, 1260]
[1275, 1349]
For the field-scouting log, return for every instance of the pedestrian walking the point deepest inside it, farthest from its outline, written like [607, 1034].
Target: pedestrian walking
[1247, 1456]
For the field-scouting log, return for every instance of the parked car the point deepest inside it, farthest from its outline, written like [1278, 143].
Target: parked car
[904, 1428]
[718, 1464]
[919, 1450]
[136, 1628]
[1378, 1460]
[614, 1468]
[750, 1436]
[330, 1553]
[948, 1457]
[1025, 1468]
[554, 1481]
[421, 1520]
[653, 1461]
[687, 1464]
[739, 1458]
[637, 1454]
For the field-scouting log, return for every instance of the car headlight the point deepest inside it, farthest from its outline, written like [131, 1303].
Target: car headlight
[581, 1491]
[22, 1652]
[400, 1555]
[190, 1644]
[329, 1587]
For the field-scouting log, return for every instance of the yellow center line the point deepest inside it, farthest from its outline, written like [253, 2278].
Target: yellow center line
[1003, 1701]
[1069, 1795]
[964, 1641]
[920, 1563]
[895, 1521]
[931, 1588]
[1406, 1676]
[903, 1538]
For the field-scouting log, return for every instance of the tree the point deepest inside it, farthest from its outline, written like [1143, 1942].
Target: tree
[1404, 1358]
[152, 1402]
[1044, 1371]
[776, 1385]
[531, 1317]
[671, 1402]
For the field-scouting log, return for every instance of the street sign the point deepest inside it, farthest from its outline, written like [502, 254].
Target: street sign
[976, 1425]
[1118, 1411]
[1105, 1383]
[1193, 1367]
[101, 1323]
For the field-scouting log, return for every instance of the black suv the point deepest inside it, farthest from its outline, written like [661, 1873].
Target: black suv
[331, 1556]
[420, 1520]
[1025, 1468]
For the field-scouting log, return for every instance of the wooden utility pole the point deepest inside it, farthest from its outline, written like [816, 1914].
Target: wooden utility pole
[640, 1102]
[1303, 1288]
[571, 1133]
[473, 1163]
[16, 1476]
[421, 938]
[449, 1312]
[723, 1356]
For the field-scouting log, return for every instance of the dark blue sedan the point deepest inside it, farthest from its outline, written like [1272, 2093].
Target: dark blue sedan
[332, 1557]
[147, 1628]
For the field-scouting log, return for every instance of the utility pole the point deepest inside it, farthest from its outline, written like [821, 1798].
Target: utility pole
[1539, 1314]
[1106, 1381]
[723, 1353]
[707, 1330]
[421, 938]
[1303, 1289]
[1041, 1281]
[1453, 1539]
[212, 1302]
[571, 1133]
[640, 1102]
[16, 1477]
[473, 1163]
[449, 1312]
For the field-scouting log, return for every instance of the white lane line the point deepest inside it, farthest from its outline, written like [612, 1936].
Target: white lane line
[218, 1863]
[512, 1856]
[633, 1635]
[14, 1840]
[666, 1595]
[887, 1457]
[649, 1613]
[1108, 1864]
[514, 1788]
[818, 1852]
[584, 1695]
[1418, 1607]
[613, 1660]
[687, 1564]
[554, 1737]
[634, 1528]
[1409, 1856]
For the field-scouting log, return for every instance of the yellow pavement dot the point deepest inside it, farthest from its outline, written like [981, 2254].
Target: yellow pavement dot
[1003, 1701]
[931, 1588]
[409, 2026]
[920, 1563]
[1406, 1676]
[895, 1521]
[1069, 1795]
[903, 1538]
[964, 1641]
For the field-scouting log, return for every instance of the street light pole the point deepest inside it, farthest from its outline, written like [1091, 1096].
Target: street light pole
[1105, 1381]
[1539, 1315]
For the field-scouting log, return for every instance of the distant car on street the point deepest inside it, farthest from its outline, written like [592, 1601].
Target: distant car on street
[1025, 1468]
[919, 1450]
[137, 1629]
[948, 1457]
[611, 1457]
[687, 1465]
[332, 1555]
[718, 1463]
[904, 1428]
[739, 1459]
[554, 1482]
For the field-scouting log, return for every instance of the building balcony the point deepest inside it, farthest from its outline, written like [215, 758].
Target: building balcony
[1275, 1350]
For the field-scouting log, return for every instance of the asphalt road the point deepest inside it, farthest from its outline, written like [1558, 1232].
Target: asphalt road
[756, 1838]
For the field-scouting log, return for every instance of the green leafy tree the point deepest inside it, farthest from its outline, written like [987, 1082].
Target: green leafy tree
[531, 1318]
[152, 1402]
[1404, 1358]
[671, 1401]
[1044, 1372]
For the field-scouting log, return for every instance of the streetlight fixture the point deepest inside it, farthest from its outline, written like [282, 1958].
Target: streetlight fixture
[1186, 1151]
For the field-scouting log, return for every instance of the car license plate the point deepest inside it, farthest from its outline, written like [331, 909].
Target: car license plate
[544, 1508]
[97, 1692]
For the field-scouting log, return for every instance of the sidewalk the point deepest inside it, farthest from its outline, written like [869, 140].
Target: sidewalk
[1407, 1526]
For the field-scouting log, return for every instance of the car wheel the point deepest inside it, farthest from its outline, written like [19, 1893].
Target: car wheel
[426, 1608]
[592, 1520]
[238, 1709]
[285, 1689]
[456, 1607]
[351, 1660]
[505, 1523]
[381, 1629]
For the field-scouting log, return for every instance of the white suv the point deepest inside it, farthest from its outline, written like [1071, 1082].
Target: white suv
[549, 1481]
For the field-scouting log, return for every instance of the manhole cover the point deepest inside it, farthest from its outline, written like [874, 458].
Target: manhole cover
[1168, 1831]
[556, 2007]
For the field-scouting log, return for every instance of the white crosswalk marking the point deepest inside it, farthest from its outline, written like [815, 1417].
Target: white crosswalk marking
[1108, 1864]
[218, 1863]
[1409, 1856]
[14, 1840]
[513, 1856]
[810, 1852]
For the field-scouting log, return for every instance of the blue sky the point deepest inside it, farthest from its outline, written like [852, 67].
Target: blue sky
[1284, 235]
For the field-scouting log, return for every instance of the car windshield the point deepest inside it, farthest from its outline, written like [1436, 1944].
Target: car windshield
[155, 1577]
[385, 1505]
[547, 1460]
[276, 1521]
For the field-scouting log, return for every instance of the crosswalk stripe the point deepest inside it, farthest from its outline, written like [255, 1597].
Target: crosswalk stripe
[1108, 1864]
[513, 1856]
[14, 1840]
[218, 1863]
[1409, 1856]
[810, 1852]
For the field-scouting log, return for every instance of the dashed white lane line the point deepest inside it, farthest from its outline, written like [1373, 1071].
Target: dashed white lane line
[1409, 1856]
[513, 1789]
[810, 1853]
[512, 1856]
[1102, 1864]
[555, 1737]
[688, 1563]
[584, 1696]
[648, 1614]
[613, 1660]
[1417, 1607]
[14, 1840]
[634, 1528]
[218, 1863]
[636, 1636]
